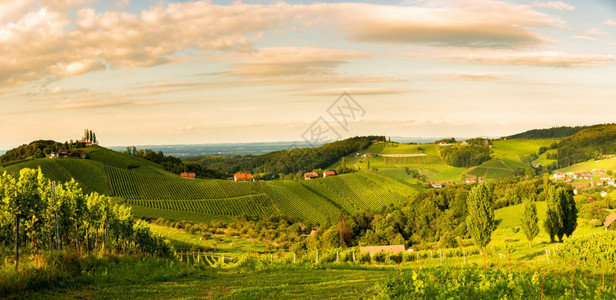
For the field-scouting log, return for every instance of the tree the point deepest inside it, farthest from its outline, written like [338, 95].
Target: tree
[368, 166]
[561, 216]
[530, 222]
[345, 232]
[19, 196]
[480, 220]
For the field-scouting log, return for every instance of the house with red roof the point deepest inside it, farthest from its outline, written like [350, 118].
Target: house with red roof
[310, 175]
[329, 173]
[243, 177]
[187, 175]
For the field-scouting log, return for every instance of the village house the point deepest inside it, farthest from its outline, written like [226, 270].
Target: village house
[243, 177]
[599, 183]
[329, 173]
[603, 194]
[368, 154]
[473, 179]
[187, 175]
[443, 144]
[559, 176]
[609, 221]
[310, 175]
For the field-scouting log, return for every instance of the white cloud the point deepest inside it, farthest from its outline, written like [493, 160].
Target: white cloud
[536, 59]
[42, 40]
[584, 38]
[556, 5]
[610, 22]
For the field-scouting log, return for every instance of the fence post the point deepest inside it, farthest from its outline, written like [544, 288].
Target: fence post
[294, 257]
[336, 256]
[353, 256]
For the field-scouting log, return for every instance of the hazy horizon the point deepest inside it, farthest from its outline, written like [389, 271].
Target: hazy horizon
[180, 72]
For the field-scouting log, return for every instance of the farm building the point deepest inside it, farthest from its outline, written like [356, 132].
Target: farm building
[243, 177]
[390, 249]
[329, 173]
[368, 154]
[609, 221]
[473, 179]
[188, 175]
[310, 175]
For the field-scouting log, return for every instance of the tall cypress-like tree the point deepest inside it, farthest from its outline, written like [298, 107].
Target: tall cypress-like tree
[561, 216]
[480, 220]
[530, 222]
[552, 222]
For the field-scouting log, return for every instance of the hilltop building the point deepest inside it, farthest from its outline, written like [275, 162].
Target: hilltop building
[329, 173]
[310, 175]
[243, 177]
[188, 175]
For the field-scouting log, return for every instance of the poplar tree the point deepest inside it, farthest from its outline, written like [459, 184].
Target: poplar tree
[530, 222]
[480, 220]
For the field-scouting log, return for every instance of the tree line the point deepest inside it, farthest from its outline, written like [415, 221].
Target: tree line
[290, 161]
[174, 164]
[38, 215]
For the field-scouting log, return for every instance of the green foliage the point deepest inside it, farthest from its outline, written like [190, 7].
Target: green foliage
[561, 216]
[593, 249]
[589, 143]
[475, 282]
[480, 220]
[549, 133]
[29, 200]
[465, 156]
[290, 161]
[36, 149]
[530, 222]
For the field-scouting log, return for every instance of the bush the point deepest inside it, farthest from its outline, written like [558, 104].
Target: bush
[595, 223]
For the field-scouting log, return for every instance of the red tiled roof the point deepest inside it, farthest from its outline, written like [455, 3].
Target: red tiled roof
[243, 176]
[188, 175]
[311, 174]
[330, 173]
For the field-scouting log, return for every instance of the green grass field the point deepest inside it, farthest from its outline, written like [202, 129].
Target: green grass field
[606, 164]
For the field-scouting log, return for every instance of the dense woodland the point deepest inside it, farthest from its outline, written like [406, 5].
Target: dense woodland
[465, 155]
[548, 133]
[587, 144]
[290, 161]
[174, 164]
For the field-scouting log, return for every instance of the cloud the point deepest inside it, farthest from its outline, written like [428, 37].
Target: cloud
[584, 38]
[289, 61]
[610, 22]
[354, 91]
[475, 76]
[62, 38]
[171, 84]
[470, 23]
[556, 5]
[536, 59]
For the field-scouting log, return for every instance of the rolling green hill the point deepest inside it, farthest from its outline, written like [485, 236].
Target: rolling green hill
[154, 192]
[398, 160]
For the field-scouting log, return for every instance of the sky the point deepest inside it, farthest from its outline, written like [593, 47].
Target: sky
[193, 72]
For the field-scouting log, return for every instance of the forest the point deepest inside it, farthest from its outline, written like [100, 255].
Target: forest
[289, 161]
[587, 144]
